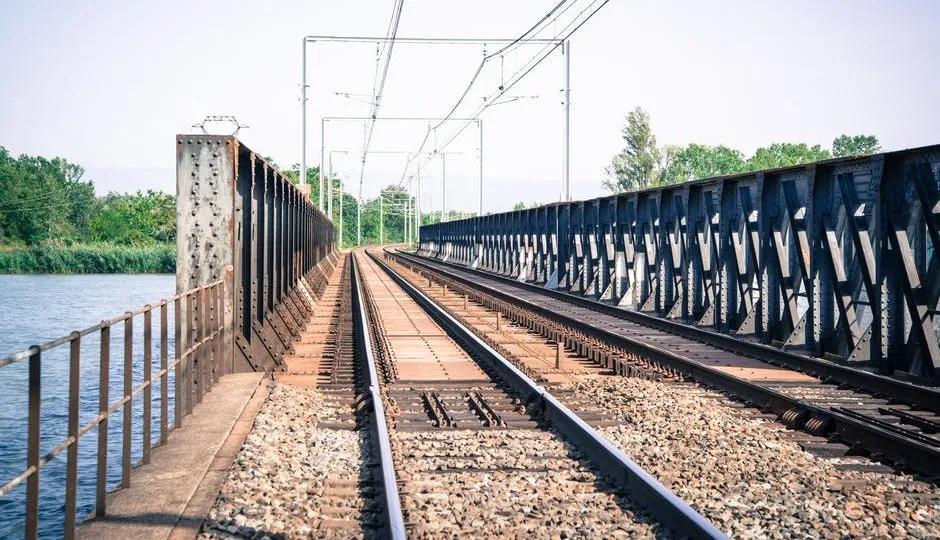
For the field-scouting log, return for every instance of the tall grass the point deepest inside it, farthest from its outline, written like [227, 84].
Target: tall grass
[88, 259]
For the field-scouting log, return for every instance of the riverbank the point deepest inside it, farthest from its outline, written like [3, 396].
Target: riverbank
[98, 258]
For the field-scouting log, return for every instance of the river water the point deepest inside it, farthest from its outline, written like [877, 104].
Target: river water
[38, 308]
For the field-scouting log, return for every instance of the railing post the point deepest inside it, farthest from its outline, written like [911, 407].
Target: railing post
[71, 465]
[165, 376]
[199, 365]
[178, 360]
[189, 356]
[32, 444]
[128, 409]
[228, 330]
[101, 487]
[203, 346]
[148, 391]
[217, 332]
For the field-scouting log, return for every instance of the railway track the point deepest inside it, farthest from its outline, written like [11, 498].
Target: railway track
[480, 449]
[427, 408]
[735, 464]
[311, 466]
[889, 420]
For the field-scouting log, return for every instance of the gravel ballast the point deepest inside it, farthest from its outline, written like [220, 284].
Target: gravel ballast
[743, 475]
[281, 483]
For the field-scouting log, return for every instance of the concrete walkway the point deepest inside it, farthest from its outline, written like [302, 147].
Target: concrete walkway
[170, 497]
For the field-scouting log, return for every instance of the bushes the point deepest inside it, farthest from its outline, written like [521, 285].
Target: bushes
[88, 259]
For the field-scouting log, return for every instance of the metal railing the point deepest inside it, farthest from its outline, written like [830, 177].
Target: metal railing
[836, 259]
[198, 337]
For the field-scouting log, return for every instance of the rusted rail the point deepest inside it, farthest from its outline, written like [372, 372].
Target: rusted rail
[806, 402]
[643, 489]
[198, 359]
[394, 521]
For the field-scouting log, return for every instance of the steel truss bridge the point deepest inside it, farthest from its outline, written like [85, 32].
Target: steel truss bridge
[823, 275]
[836, 259]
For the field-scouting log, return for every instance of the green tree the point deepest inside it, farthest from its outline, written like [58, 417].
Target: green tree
[681, 164]
[855, 145]
[642, 164]
[785, 154]
[519, 206]
[635, 167]
[42, 199]
[350, 204]
[135, 219]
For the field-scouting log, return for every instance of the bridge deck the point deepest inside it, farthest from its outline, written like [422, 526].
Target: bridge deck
[419, 348]
[170, 497]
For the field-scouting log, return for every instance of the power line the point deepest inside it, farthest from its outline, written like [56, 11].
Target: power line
[379, 88]
[527, 32]
[487, 58]
[412, 40]
[67, 189]
[523, 71]
[34, 208]
[554, 14]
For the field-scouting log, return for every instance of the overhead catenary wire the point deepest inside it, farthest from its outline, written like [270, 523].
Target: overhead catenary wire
[378, 86]
[525, 70]
[36, 208]
[532, 29]
[524, 37]
[550, 45]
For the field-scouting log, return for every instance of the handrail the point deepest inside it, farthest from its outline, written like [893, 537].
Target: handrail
[199, 334]
[53, 343]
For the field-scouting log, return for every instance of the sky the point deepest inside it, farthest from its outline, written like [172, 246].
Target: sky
[109, 84]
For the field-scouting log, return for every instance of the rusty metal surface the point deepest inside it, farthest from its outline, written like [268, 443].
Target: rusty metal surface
[323, 356]
[854, 420]
[835, 260]
[418, 347]
[489, 411]
[235, 210]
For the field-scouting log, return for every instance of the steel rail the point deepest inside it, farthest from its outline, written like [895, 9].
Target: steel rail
[642, 487]
[395, 521]
[913, 394]
[897, 447]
